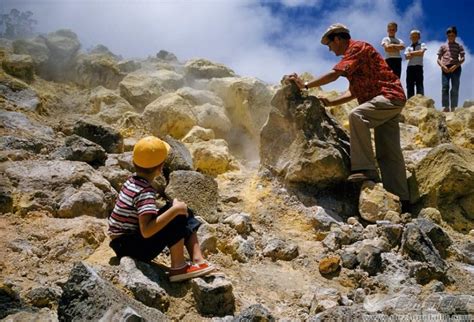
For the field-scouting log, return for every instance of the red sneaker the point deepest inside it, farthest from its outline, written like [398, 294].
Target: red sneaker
[190, 271]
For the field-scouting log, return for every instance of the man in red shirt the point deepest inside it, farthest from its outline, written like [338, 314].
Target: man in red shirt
[381, 98]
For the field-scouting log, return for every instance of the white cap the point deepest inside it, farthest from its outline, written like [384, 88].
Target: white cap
[415, 31]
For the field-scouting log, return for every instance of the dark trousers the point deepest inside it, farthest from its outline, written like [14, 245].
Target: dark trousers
[415, 79]
[446, 94]
[395, 64]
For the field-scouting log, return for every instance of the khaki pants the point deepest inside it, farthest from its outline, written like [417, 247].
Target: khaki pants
[382, 115]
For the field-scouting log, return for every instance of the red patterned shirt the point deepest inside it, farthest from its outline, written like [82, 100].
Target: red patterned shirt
[368, 73]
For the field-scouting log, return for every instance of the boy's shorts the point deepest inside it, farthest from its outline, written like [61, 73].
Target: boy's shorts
[145, 249]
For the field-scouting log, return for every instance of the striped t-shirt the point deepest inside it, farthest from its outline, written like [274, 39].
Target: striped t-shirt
[136, 198]
[450, 53]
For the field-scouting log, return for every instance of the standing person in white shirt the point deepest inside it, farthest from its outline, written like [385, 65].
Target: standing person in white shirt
[414, 54]
[392, 46]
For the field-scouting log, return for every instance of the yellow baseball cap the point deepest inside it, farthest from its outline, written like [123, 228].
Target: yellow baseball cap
[150, 151]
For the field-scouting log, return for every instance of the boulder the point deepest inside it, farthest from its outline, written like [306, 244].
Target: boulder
[75, 189]
[247, 101]
[240, 222]
[254, 313]
[10, 301]
[375, 202]
[197, 190]
[321, 221]
[21, 66]
[370, 259]
[467, 253]
[86, 296]
[86, 200]
[198, 134]
[143, 288]
[302, 143]
[109, 105]
[325, 299]
[213, 295]
[333, 240]
[107, 137]
[461, 127]
[34, 47]
[241, 249]
[128, 66]
[179, 157]
[436, 234]
[349, 259]
[77, 148]
[329, 265]
[213, 117]
[450, 304]
[420, 100]
[430, 122]
[207, 237]
[63, 48]
[212, 157]
[418, 246]
[445, 180]
[97, 69]
[392, 232]
[432, 214]
[468, 103]
[6, 197]
[21, 97]
[166, 55]
[17, 123]
[102, 50]
[44, 296]
[203, 68]
[278, 249]
[141, 87]
[170, 114]
[115, 176]
[43, 314]
[199, 97]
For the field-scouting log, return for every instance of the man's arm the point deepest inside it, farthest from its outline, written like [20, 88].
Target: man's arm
[344, 98]
[323, 80]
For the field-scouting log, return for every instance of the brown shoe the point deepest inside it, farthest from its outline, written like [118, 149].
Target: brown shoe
[446, 109]
[364, 175]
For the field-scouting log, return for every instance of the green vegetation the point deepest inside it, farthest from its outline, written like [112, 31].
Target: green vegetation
[17, 24]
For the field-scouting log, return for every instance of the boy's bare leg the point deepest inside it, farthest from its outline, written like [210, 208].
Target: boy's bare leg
[177, 254]
[194, 250]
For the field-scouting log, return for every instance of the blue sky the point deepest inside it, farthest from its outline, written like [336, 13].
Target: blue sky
[265, 39]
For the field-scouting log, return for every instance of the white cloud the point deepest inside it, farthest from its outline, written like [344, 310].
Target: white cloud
[301, 3]
[244, 35]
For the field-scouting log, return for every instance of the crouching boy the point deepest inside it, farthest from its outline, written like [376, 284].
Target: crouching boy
[139, 230]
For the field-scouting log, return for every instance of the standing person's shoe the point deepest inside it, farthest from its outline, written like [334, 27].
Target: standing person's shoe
[190, 271]
[446, 109]
[364, 175]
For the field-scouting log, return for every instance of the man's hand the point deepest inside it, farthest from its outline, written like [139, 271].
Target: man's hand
[326, 101]
[298, 81]
[180, 207]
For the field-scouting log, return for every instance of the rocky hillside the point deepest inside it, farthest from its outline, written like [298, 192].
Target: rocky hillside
[264, 168]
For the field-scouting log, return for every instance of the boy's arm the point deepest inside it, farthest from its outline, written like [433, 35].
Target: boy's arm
[150, 225]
